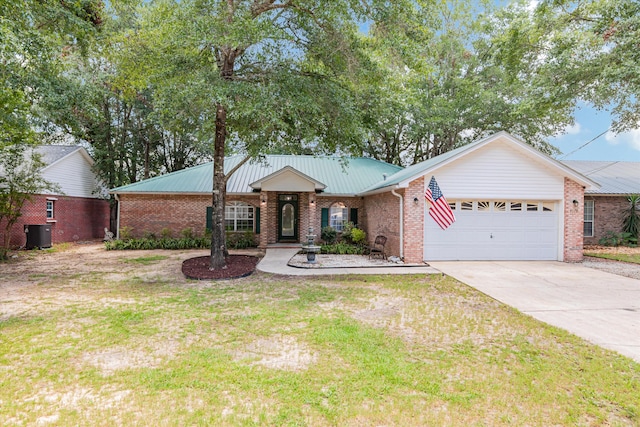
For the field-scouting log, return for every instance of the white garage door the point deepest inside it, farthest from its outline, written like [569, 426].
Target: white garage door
[495, 230]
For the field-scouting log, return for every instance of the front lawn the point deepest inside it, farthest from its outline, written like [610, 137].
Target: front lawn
[123, 339]
[617, 256]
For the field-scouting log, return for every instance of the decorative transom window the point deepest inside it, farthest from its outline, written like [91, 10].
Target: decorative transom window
[466, 206]
[500, 206]
[588, 218]
[338, 216]
[50, 209]
[238, 216]
[484, 206]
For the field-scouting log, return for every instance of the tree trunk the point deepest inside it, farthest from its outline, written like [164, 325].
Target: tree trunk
[218, 244]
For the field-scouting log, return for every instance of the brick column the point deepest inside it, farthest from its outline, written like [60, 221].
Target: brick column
[414, 222]
[573, 221]
[264, 217]
[311, 216]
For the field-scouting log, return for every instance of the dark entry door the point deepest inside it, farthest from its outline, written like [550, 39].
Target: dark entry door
[288, 218]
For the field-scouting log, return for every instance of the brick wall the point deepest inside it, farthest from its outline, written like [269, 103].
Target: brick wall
[152, 213]
[75, 219]
[607, 216]
[573, 221]
[382, 216]
[349, 202]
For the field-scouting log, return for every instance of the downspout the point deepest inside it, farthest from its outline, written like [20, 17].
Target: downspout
[118, 218]
[401, 222]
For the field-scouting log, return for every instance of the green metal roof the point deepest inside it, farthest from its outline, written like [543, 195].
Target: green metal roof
[614, 177]
[340, 175]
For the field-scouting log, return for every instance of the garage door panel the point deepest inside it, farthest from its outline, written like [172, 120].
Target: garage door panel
[521, 235]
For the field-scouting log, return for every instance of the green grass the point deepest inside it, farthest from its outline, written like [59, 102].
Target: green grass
[266, 350]
[633, 258]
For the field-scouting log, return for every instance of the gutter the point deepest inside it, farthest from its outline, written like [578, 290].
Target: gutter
[401, 222]
[118, 218]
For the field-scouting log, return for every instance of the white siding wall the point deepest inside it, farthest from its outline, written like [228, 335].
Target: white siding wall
[74, 176]
[499, 172]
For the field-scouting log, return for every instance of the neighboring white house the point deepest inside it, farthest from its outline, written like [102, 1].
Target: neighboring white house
[79, 210]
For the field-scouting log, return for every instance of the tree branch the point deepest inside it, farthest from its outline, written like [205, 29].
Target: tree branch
[236, 167]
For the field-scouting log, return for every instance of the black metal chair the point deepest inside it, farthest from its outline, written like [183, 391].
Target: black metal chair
[377, 248]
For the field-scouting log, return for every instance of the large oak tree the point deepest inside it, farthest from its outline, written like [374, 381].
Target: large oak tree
[267, 75]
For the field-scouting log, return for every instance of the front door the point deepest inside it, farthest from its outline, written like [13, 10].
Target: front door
[288, 218]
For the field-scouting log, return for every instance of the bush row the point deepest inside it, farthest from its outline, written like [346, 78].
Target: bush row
[189, 240]
[342, 248]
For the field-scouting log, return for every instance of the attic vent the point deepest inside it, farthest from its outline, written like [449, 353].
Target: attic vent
[384, 176]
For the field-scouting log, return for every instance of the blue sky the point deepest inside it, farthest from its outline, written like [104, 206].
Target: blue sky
[589, 124]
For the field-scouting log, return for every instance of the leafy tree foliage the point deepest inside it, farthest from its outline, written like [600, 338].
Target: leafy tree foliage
[451, 86]
[34, 36]
[580, 50]
[266, 73]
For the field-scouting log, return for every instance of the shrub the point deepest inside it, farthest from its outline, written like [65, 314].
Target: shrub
[631, 216]
[166, 233]
[329, 234]
[240, 240]
[618, 239]
[342, 248]
[358, 236]
[126, 233]
[149, 235]
[346, 231]
[188, 233]
[169, 243]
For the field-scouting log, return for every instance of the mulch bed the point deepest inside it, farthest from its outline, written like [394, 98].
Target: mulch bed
[237, 266]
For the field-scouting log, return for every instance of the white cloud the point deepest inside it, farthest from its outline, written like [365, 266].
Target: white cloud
[573, 129]
[532, 5]
[630, 138]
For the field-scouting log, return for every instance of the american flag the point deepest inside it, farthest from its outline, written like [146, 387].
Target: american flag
[439, 210]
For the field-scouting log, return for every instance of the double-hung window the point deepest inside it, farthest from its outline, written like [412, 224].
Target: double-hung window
[238, 216]
[50, 213]
[338, 216]
[588, 218]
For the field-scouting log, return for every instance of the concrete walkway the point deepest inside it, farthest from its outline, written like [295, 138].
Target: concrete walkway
[601, 307]
[276, 259]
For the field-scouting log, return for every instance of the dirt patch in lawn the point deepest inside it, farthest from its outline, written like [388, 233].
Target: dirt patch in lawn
[28, 278]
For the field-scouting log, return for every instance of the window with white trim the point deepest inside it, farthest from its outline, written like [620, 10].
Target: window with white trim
[50, 209]
[588, 218]
[338, 216]
[238, 216]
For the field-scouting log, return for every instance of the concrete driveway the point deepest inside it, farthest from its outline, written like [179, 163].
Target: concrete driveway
[601, 307]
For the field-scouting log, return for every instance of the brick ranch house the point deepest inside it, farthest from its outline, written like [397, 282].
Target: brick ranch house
[603, 205]
[511, 202]
[79, 211]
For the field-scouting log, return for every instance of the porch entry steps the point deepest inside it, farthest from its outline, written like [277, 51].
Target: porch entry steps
[293, 245]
